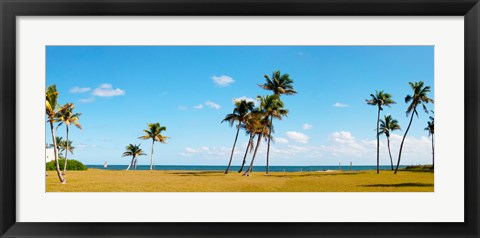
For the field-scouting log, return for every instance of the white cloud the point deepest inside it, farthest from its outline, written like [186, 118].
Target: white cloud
[87, 100]
[199, 106]
[182, 108]
[79, 90]
[280, 140]
[337, 104]
[307, 126]
[255, 101]
[297, 136]
[222, 80]
[212, 105]
[106, 90]
[207, 152]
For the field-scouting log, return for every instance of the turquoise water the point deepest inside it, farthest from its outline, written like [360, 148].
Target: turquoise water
[255, 168]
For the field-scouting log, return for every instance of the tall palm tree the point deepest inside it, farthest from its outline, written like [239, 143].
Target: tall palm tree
[154, 132]
[272, 107]
[248, 125]
[67, 117]
[379, 99]
[386, 126]
[431, 131]
[242, 108]
[134, 151]
[51, 104]
[259, 124]
[419, 97]
[279, 84]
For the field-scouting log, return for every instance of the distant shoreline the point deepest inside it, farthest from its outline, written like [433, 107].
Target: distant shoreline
[236, 168]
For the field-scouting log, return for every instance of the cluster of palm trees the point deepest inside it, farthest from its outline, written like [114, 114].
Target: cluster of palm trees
[153, 132]
[259, 121]
[381, 99]
[63, 115]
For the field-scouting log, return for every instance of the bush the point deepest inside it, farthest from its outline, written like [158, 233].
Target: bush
[71, 165]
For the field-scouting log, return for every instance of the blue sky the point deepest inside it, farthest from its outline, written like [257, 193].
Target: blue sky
[189, 89]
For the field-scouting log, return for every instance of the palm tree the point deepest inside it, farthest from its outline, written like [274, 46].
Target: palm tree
[431, 132]
[59, 141]
[64, 146]
[379, 99]
[134, 151]
[242, 108]
[279, 84]
[154, 132]
[386, 126]
[272, 107]
[51, 98]
[249, 126]
[67, 117]
[419, 97]
[259, 124]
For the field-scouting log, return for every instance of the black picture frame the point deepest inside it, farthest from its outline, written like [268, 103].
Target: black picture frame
[10, 9]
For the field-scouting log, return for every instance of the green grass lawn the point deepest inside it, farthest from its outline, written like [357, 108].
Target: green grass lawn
[206, 181]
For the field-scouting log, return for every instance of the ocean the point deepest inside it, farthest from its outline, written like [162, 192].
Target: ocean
[255, 168]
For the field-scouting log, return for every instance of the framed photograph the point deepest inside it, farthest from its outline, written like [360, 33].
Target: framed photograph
[260, 119]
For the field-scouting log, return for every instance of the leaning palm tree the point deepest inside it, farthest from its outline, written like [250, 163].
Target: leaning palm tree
[249, 126]
[379, 99]
[431, 131]
[386, 126]
[279, 84]
[154, 132]
[51, 103]
[419, 97]
[261, 130]
[134, 151]
[242, 108]
[67, 117]
[272, 107]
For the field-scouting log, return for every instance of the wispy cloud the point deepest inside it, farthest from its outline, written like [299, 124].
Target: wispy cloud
[222, 80]
[87, 100]
[212, 105]
[79, 89]
[337, 104]
[307, 126]
[107, 90]
[298, 137]
[206, 151]
[280, 140]
[199, 106]
[182, 108]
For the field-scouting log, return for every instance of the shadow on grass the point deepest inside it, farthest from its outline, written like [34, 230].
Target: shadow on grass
[400, 185]
[198, 173]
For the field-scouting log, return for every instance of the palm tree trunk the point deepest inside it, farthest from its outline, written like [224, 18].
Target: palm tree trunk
[401, 145]
[131, 163]
[249, 170]
[135, 163]
[233, 148]
[433, 153]
[55, 152]
[390, 153]
[246, 152]
[378, 142]
[269, 136]
[151, 157]
[66, 153]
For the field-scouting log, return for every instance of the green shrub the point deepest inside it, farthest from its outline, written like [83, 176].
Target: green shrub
[71, 165]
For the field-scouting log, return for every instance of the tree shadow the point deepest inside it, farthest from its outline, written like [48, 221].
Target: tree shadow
[400, 185]
[198, 173]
